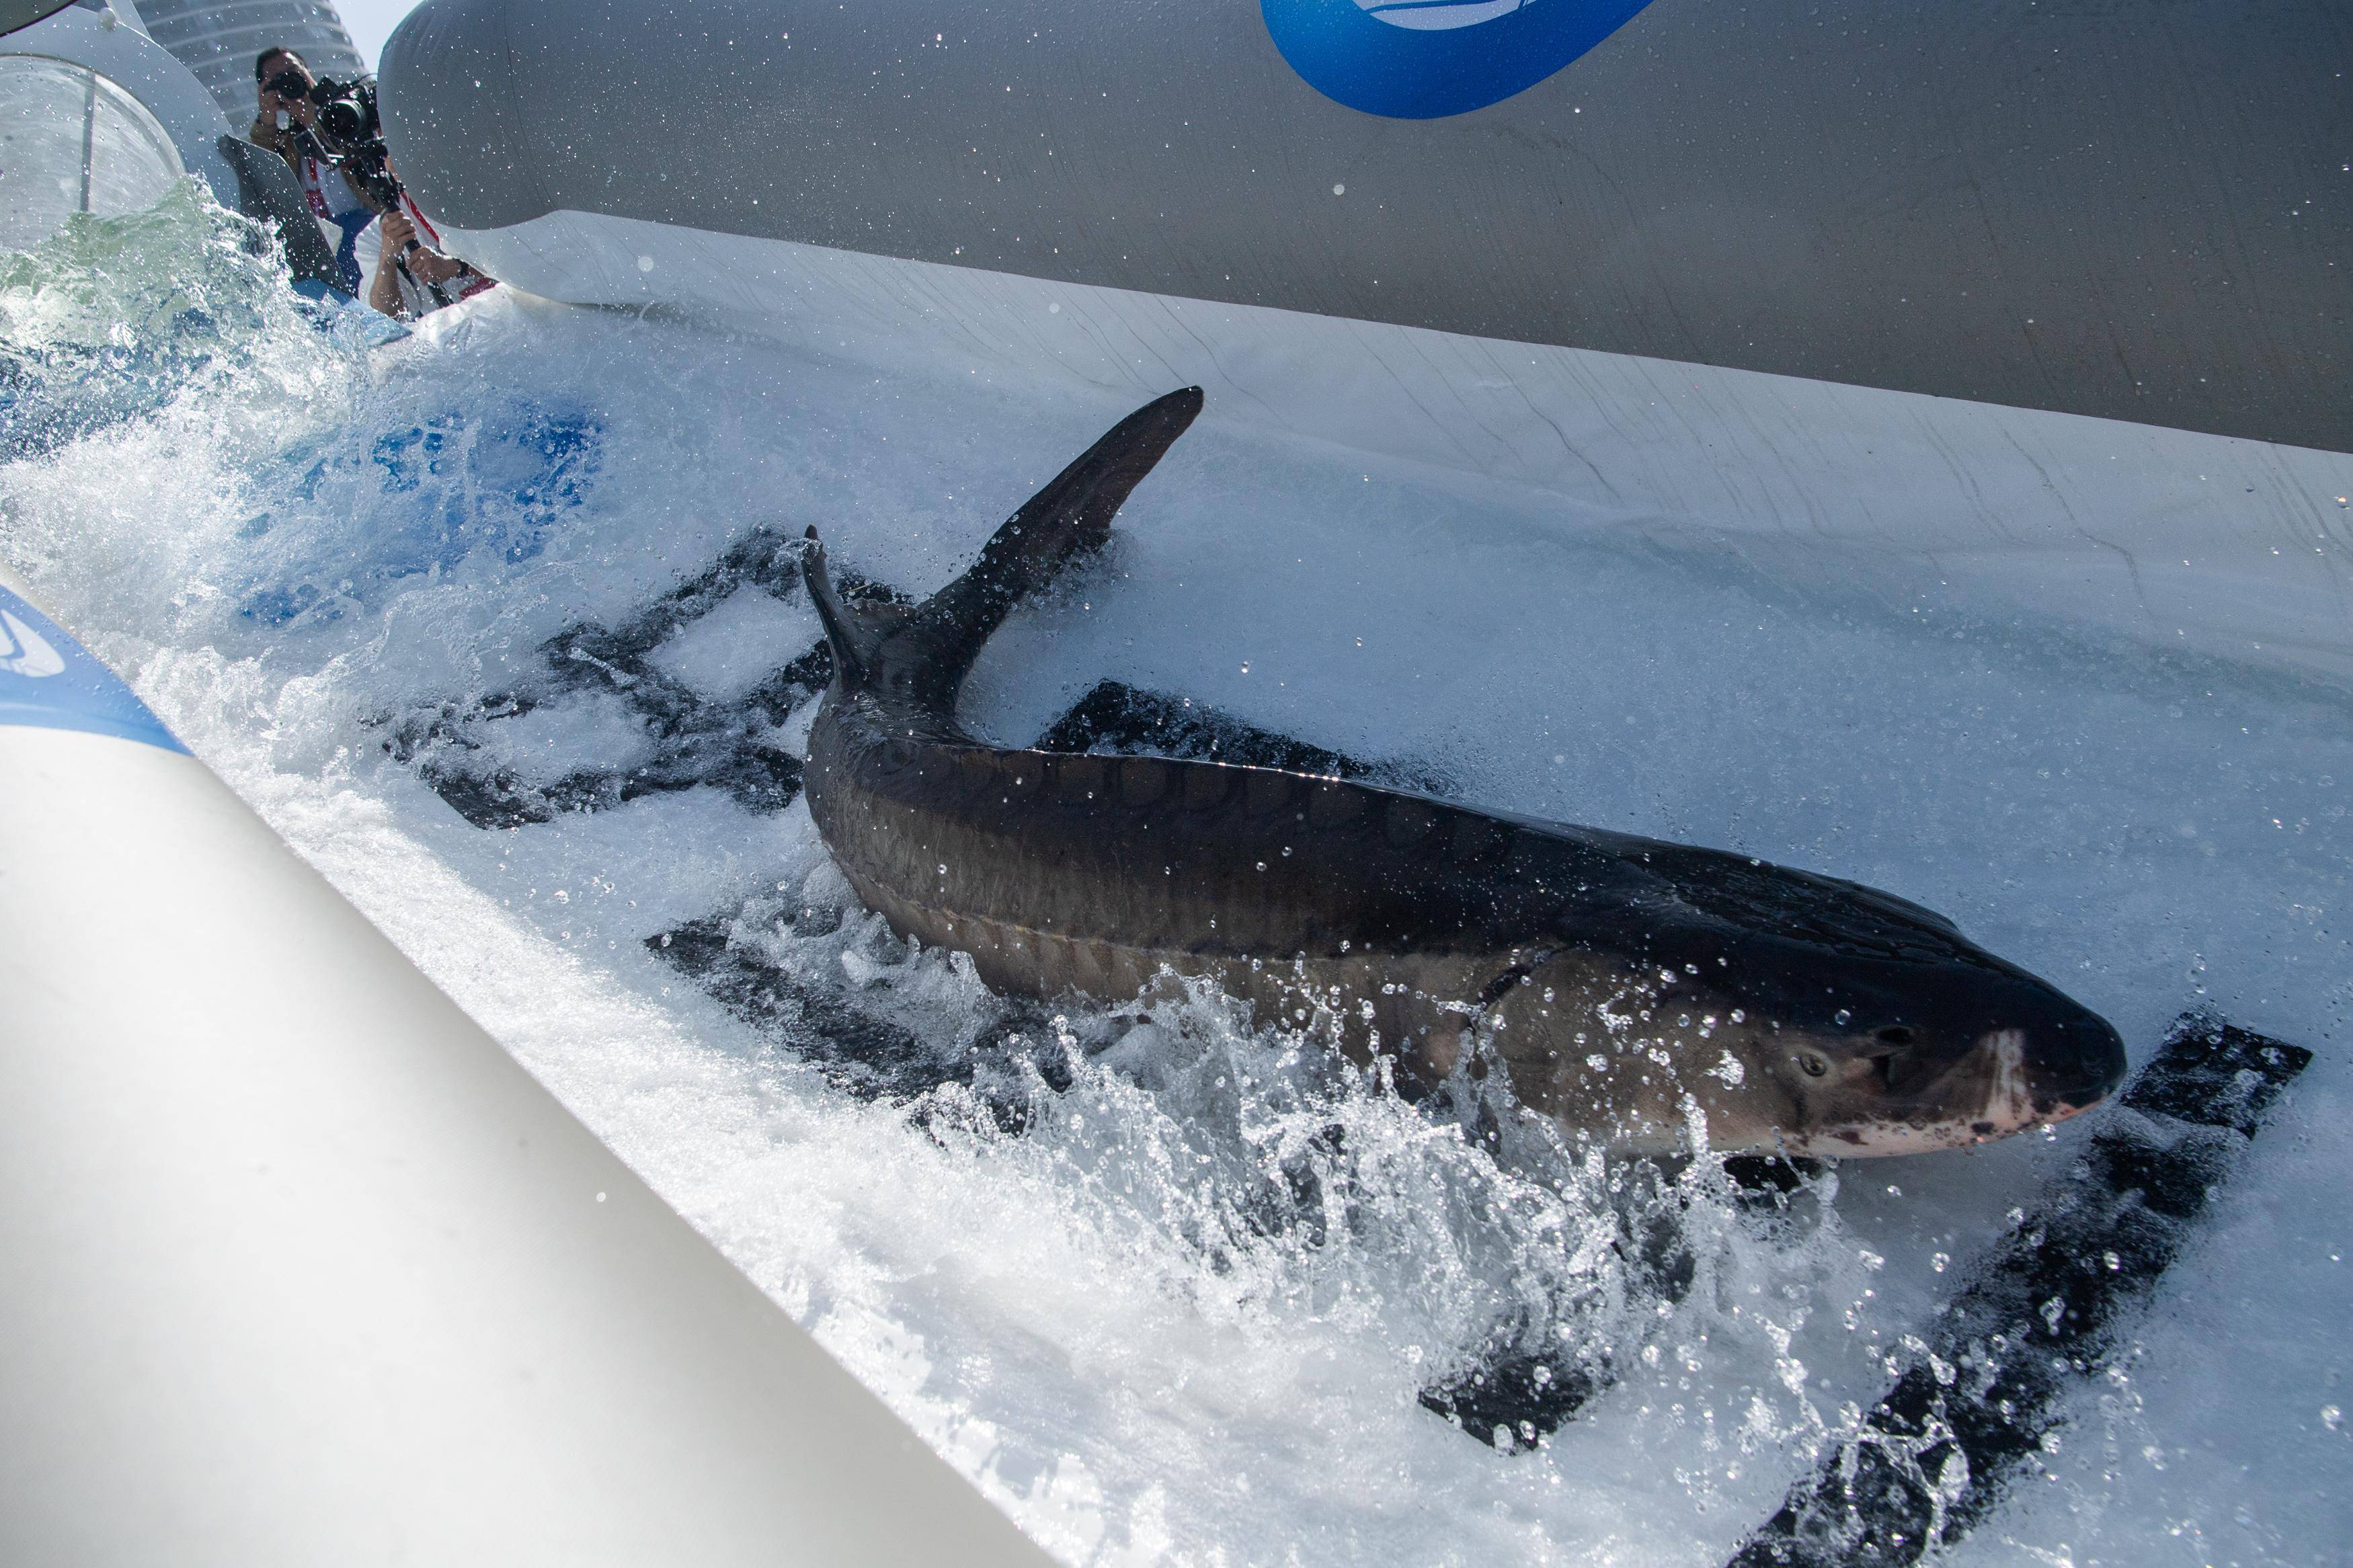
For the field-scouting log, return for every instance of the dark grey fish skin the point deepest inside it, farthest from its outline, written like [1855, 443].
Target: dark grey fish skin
[1649, 997]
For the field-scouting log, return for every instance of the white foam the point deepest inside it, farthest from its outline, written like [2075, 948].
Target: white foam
[727, 652]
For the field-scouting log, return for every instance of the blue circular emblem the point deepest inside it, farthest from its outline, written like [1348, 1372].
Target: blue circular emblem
[1424, 60]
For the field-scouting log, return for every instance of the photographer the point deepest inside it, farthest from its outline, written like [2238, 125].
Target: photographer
[288, 126]
[334, 138]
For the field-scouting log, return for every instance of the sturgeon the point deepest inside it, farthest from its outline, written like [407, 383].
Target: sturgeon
[1648, 997]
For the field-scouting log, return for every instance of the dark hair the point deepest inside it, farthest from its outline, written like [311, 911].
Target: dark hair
[274, 52]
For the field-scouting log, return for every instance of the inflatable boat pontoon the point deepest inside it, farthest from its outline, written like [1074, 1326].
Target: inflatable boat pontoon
[305, 1268]
[1901, 291]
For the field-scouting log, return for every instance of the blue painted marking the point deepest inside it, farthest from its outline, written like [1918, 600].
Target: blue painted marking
[489, 484]
[1417, 67]
[48, 682]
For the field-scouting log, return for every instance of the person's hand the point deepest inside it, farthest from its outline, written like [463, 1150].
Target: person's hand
[397, 231]
[432, 267]
[425, 264]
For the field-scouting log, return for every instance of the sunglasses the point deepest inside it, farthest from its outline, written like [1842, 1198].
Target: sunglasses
[287, 84]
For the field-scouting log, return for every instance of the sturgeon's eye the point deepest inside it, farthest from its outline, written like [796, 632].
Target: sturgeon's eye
[1815, 1067]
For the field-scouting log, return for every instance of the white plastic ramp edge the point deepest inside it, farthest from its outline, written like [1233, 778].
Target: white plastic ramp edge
[304, 1267]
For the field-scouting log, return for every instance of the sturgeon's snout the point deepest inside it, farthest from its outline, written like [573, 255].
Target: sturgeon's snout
[2073, 1064]
[2046, 1071]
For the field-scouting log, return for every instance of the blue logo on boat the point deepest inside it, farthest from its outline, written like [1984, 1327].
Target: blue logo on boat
[49, 682]
[1424, 60]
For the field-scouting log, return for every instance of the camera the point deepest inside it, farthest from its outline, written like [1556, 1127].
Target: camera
[349, 133]
[347, 111]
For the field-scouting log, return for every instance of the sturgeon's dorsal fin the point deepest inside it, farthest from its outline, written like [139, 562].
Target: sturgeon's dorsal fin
[930, 655]
[854, 636]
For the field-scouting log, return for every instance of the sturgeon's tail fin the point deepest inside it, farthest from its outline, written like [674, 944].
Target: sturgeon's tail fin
[932, 650]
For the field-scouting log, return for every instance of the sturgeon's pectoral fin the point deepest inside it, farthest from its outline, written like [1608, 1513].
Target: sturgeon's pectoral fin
[1513, 975]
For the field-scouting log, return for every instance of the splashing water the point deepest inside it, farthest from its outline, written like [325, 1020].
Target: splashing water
[1169, 1281]
[111, 316]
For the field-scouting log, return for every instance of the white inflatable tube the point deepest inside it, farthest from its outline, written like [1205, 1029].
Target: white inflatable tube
[1910, 197]
[303, 1268]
